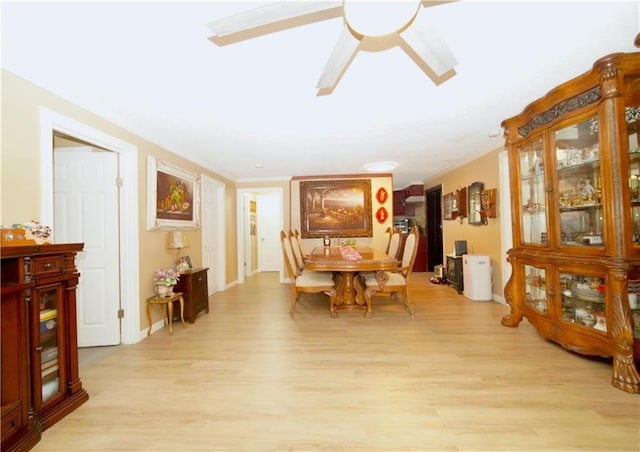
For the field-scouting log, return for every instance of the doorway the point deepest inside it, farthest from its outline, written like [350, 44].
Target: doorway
[213, 233]
[51, 123]
[273, 196]
[433, 212]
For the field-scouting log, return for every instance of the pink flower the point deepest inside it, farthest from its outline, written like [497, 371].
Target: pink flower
[167, 277]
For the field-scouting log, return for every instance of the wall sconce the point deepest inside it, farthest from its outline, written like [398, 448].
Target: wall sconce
[176, 240]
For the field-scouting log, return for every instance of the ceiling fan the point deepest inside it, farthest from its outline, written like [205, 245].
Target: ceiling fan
[391, 26]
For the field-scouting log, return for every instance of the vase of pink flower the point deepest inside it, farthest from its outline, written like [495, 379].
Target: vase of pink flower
[164, 280]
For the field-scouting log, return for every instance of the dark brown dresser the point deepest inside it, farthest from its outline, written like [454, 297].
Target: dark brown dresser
[193, 284]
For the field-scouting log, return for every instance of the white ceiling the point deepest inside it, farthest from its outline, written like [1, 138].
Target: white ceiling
[149, 67]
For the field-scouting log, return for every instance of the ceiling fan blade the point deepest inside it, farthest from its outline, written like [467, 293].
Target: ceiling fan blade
[271, 14]
[343, 52]
[431, 49]
[428, 3]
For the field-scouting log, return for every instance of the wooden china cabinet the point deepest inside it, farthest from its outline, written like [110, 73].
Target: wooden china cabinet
[40, 378]
[575, 186]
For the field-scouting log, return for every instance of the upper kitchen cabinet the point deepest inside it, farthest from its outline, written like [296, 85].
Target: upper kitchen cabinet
[404, 200]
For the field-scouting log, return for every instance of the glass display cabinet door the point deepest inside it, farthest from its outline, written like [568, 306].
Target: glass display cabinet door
[579, 192]
[632, 116]
[49, 342]
[532, 194]
[535, 288]
[583, 301]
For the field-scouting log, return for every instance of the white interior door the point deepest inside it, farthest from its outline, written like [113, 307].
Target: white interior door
[211, 232]
[269, 224]
[86, 210]
[250, 254]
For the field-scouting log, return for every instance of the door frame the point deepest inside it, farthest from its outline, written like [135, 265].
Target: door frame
[506, 236]
[221, 270]
[435, 248]
[242, 227]
[51, 122]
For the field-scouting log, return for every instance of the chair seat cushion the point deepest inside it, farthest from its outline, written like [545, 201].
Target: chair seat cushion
[314, 279]
[395, 279]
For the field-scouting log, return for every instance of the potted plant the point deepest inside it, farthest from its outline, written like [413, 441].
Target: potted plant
[164, 280]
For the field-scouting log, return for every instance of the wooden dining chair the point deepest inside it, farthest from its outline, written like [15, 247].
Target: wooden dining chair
[395, 282]
[308, 282]
[394, 243]
[299, 241]
[388, 233]
[297, 251]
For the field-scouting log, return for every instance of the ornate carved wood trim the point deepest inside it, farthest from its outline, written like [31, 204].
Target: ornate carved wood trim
[588, 97]
[609, 81]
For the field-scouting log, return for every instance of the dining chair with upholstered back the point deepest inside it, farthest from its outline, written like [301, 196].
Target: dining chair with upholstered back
[299, 241]
[307, 282]
[395, 282]
[297, 251]
[394, 243]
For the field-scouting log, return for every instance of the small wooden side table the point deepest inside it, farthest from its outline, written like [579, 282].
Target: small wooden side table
[168, 301]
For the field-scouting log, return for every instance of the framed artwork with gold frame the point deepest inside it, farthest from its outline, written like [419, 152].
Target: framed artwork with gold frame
[336, 208]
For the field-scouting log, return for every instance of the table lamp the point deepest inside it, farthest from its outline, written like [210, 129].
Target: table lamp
[176, 240]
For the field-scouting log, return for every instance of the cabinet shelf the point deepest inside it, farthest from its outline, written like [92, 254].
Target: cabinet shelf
[578, 208]
[579, 167]
[539, 211]
[48, 336]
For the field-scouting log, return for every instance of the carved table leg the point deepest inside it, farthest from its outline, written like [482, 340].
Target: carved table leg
[170, 308]
[182, 311]
[360, 296]
[149, 317]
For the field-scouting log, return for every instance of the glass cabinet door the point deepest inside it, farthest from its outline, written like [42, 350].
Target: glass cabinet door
[632, 115]
[532, 194]
[583, 300]
[49, 343]
[535, 287]
[579, 191]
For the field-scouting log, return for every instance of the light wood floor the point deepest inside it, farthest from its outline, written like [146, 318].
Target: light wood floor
[247, 377]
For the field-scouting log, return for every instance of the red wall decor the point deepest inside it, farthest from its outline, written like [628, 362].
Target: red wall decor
[382, 215]
[382, 195]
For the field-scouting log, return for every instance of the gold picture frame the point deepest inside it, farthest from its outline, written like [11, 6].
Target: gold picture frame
[336, 208]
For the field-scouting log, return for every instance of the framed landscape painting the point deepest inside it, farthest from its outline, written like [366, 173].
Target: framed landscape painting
[335, 208]
[172, 197]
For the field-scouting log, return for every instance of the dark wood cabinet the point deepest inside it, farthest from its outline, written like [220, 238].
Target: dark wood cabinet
[420, 265]
[454, 272]
[414, 190]
[575, 162]
[399, 205]
[40, 376]
[196, 292]
[402, 205]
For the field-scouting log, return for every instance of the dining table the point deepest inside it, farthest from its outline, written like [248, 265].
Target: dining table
[347, 263]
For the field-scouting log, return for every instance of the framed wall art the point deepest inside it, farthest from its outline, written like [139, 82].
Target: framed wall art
[335, 208]
[173, 196]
